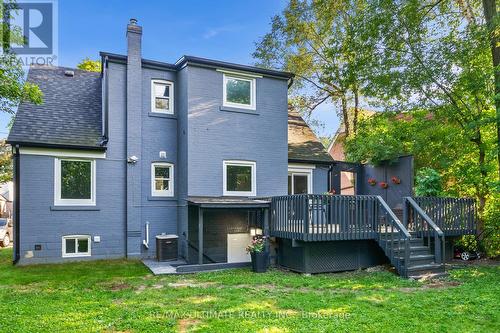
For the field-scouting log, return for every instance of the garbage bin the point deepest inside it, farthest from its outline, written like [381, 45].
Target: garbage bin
[166, 247]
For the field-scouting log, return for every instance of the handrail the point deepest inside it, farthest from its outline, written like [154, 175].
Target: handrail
[439, 244]
[454, 216]
[424, 215]
[393, 216]
[386, 229]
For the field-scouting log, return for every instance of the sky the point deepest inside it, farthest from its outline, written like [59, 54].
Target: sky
[223, 30]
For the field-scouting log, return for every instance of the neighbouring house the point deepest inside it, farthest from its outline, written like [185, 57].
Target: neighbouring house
[6, 199]
[201, 155]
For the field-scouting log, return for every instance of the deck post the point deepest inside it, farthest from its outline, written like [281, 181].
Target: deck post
[266, 213]
[200, 236]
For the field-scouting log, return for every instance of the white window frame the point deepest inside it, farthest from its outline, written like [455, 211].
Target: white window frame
[170, 99]
[302, 171]
[252, 91]
[170, 192]
[58, 201]
[76, 254]
[251, 164]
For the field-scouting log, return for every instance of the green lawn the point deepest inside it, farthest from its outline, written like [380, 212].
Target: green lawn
[122, 295]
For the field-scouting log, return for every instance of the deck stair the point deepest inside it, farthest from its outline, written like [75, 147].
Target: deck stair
[407, 244]
[421, 259]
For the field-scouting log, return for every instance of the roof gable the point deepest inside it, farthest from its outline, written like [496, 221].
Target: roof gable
[303, 144]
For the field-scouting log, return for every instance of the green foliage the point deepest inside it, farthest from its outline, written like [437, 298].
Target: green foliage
[13, 87]
[329, 47]
[5, 162]
[428, 183]
[90, 65]
[122, 295]
[491, 235]
[468, 242]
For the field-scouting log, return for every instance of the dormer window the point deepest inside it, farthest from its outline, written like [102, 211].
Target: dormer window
[239, 91]
[162, 96]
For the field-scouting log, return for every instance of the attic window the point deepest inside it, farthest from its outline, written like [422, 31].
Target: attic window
[162, 96]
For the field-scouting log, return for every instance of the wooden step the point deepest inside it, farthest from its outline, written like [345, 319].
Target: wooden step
[414, 250]
[419, 270]
[413, 241]
[421, 259]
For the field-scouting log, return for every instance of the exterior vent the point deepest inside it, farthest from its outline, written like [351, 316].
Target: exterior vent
[69, 73]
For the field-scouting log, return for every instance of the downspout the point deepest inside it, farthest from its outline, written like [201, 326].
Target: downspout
[17, 196]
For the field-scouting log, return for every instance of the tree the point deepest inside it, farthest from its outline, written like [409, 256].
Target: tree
[90, 65]
[435, 55]
[13, 87]
[492, 22]
[328, 45]
[5, 162]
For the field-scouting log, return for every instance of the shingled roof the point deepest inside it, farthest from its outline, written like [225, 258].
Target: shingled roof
[70, 115]
[303, 145]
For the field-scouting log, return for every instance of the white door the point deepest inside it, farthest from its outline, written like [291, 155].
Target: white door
[236, 244]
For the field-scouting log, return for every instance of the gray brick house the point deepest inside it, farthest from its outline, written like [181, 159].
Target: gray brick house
[207, 154]
[112, 159]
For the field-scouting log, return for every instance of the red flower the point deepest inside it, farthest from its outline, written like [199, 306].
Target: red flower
[384, 185]
[372, 181]
[395, 180]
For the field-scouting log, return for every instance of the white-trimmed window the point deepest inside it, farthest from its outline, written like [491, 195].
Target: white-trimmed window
[162, 179]
[162, 96]
[239, 91]
[239, 178]
[300, 180]
[76, 246]
[74, 182]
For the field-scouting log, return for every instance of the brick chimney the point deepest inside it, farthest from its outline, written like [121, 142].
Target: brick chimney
[134, 137]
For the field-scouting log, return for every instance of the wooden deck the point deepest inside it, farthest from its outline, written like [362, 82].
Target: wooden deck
[334, 217]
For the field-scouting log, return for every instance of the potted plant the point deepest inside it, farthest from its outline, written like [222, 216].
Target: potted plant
[372, 181]
[260, 257]
[384, 185]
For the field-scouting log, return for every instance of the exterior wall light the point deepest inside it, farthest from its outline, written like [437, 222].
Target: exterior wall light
[132, 159]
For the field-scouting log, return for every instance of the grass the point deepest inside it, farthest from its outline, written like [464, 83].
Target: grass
[121, 295]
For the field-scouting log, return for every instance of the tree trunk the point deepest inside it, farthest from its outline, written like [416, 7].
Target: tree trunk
[490, 15]
[345, 115]
[356, 112]
[480, 187]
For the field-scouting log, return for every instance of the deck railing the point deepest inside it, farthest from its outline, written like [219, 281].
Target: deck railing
[454, 216]
[324, 217]
[418, 222]
[393, 237]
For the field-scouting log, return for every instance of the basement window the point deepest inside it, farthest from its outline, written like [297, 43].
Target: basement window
[76, 246]
[162, 96]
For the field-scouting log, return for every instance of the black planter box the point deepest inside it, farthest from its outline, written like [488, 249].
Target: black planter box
[259, 261]
[166, 247]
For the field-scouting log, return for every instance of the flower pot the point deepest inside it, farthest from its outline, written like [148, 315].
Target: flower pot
[259, 261]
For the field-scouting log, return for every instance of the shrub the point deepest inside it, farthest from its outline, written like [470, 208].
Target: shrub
[428, 183]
